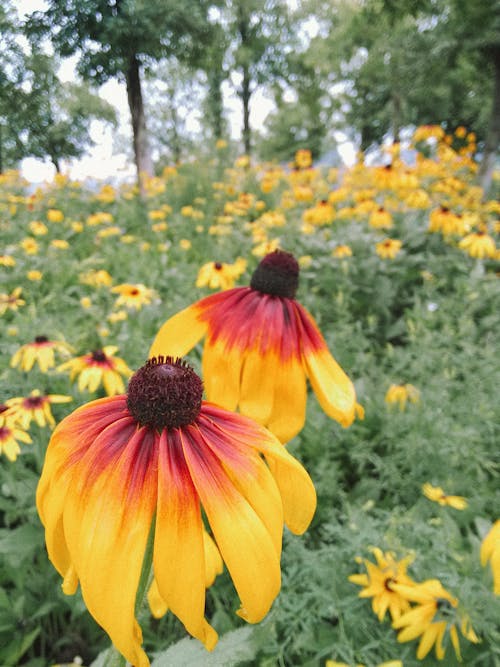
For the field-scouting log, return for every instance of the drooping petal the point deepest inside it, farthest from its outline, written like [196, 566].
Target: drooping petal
[107, 518]
[243, 540]
[213, 560]
[179, 559]
[296, 488]
[179, 334]
[221, 367]
[427, 641]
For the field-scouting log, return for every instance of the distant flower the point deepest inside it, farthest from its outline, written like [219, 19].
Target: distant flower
[381, 219]
[7, 260]
[490, 551]
[11, 301]
[60, 244]
[162, 454]
[118, 316]
[266, 247]
[96, 278]
[55, 215]
[41, 351]
[378, 583]
[38, 228]
[303, 158]
[388, 248]
[133, 296]
[437, 494]
[261, 347]
[29, 245]
[185, 244]
[219, 275]
[341, 251]
[431, 619]
[98, 367]
[401, 394]
[479, 245]
[86, 302]
[9, 436]
[34, 275]
[35, 407]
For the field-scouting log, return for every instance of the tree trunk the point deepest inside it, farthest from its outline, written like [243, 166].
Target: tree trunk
[490, 154]
[245, 98]
[142, 151]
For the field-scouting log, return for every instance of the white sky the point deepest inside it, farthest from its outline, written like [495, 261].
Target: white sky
[101, 161]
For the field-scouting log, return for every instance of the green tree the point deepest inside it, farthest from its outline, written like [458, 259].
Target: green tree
[117, 38]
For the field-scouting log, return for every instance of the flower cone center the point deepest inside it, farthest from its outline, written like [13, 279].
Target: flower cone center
[277, 274]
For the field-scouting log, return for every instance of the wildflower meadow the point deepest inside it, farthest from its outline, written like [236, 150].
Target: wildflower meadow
[384, 468]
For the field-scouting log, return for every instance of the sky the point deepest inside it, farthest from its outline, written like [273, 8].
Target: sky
[101, 161]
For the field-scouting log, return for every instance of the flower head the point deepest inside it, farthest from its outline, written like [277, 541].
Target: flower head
[490, 551]
[479, 245]
[9, 436]
[162, 453]
[219, 275]
[401, 394]
[388, 248]
[133, 296]
[40, 351]
[437, 494]
[35, 407]
[432, 618]
[11, 301]
[261, 347]
[96, 368]
[379, 580]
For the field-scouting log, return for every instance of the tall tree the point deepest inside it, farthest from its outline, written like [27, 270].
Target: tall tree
[117, 38]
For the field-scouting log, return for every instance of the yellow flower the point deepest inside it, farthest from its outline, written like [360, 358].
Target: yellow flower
[434, 615]
[35, 407]
[401, 393]
[342, 251]
[96, 278]
[490, 551]
[60, 244]
[119, 316]
[437, 494]
[185, 244]
[9, 436]
[7, 260]
[100, 366]
[219, 275]
[380, 219]
[478, 245]
[303, 158]
[55, 215]
[34, 275]
[220, 144]
[388, 248]
[38, 228]
[29, 245]
[11, 301]
[266, 247]
[133, 296]
[86, 302]
[379, 580]
[162, 456]
[41, 351]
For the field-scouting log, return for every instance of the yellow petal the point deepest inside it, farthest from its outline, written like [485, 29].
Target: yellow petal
[156, 603]
[288, 413]
[213, 560]
[221, 366]
[427, 642]
[258, 384]
[179, 334]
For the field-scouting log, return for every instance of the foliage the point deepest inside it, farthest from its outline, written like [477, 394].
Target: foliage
[428, 317]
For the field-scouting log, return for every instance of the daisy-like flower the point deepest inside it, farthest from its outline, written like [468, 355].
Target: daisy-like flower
[341, 251]
[381, 219]
[261, 346]
[432, 618]
[96, 368]
[400, 394]
[133, 296]
[479, 245]
[161, 453]
[219, 275]
[11, 301]
[436, 494]
[35, 407]
[378, 583]
[10, 433]
[388, 248]
[42, 351]
[490, 551]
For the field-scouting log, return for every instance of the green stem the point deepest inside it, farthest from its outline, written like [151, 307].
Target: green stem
[113, 657]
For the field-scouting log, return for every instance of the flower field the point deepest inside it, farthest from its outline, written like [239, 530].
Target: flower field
[399, 264]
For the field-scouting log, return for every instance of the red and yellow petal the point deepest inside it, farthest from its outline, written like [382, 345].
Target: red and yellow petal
[179, 334]
[179, 556]
[221, 367]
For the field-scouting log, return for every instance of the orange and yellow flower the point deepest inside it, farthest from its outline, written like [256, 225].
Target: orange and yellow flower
[133, 296]
[220, 275]
[490, 551]
[261, 347]
[162, 454]
[388, 248]
[11, 301]
[35, 407]
[436, 494]
[10, 433]
[40, 351]
[479, 245]
[96, 368]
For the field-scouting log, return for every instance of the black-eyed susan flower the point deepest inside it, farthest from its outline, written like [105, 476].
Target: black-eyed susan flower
[388, 248]
[342, 251]
[261, 346]
[380, 219]
[133, 296]
[10, 436]
[162, 454]
[400, 394]
[479, 245]
[40, 351]
[436, 494]
[490, 551]
[378, 583]
[435, 616]
[96, 278]
[11, 301]
[220, 275]
[35, 407]
[96, 368]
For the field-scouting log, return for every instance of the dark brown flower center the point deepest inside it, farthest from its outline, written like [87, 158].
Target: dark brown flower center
[41, 339]
[217, 266]
[34, 402]
[277, 274]
[165, 393]
[98, 355]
